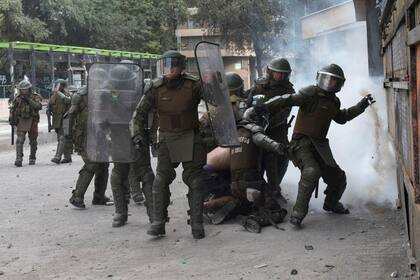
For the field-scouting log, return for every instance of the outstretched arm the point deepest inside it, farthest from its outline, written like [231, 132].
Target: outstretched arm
[301, 98]
[345, 115]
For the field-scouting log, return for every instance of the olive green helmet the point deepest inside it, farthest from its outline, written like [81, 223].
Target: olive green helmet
[279, 65]
[278, 70]
[24, 84]
[234, 81]
[61, 81]
[173, 54]
[330, 78]
[173, 58]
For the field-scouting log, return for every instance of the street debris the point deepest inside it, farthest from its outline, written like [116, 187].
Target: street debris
[260, 265]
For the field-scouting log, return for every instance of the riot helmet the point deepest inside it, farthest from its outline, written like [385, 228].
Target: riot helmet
[172, 64]
[235, 84]
[122, 76]
[330, 78]
[24, 86]
[278, 70]
[61, 83]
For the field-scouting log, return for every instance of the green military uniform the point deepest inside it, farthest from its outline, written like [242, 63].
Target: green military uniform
[24, 113]
[126, 176]
[275, 165]
[78, 113]
[141, 172]
[310, 150]
[59, 104]
[176, 103]
[142, 169]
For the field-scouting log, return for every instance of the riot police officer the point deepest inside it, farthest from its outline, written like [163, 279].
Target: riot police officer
[24, 113]
[309, 149]
[78, 114]
[275, 83]
[58, 105]
[175, 96]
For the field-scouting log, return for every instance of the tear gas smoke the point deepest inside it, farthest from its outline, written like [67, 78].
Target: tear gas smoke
[362, 147]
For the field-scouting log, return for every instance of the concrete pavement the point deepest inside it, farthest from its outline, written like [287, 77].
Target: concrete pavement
[43, 237]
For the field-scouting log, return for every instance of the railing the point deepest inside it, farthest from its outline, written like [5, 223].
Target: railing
[4, 91]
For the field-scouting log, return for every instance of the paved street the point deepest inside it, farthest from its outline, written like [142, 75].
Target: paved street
[43, 237]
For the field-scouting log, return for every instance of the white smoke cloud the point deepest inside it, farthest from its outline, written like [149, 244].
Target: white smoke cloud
[361, 147]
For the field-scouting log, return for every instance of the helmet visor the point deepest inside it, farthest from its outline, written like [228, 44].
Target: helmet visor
[280, 76]
[172, 65]
[329, 83]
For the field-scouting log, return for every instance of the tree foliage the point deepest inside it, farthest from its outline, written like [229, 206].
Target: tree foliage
[147, 25]
[15, 25]
[246, 24]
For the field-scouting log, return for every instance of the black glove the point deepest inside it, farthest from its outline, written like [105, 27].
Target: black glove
[366, 101]
[280, 149]
[138, 141]
[12, 121]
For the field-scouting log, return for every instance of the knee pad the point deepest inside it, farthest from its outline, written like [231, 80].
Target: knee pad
[311, 173]
[20, 138]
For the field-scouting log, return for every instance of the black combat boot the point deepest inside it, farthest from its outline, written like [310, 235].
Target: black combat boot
[101, 200]
[66, 160]
[251, 224]
[67, 150]
[119, 220]
[338, 208]
[18, 163]
[157, 230]
[55, 160]
[296, 221]
[33, 146]
[32, 161]
[138, 198]
[198, 233]
[77, 201]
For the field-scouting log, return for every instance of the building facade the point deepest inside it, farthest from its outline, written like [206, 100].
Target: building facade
[400, 30]
[191, 33]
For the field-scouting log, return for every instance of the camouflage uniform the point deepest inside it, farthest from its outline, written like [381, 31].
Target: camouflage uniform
[78, 113]
[24, 113]
[58, 105]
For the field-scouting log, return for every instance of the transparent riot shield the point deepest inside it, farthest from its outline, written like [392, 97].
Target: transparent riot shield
[216, 93]
[113, 93]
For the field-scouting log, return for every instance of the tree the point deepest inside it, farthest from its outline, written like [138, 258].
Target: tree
[245, 24]
[164, 18]
[15, 25]
[131, 25]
